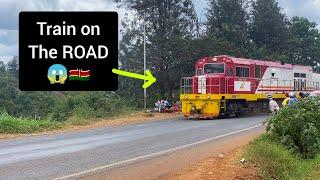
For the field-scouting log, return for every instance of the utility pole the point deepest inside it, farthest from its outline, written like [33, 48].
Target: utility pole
[143, 6]
[144, 58]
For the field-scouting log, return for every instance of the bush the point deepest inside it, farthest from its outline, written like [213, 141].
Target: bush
[276, 162]
[88, 105]
[10, 124]
[298, 127]
[58, 106]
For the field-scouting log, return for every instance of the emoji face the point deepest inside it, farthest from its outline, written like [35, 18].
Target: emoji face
[57, 73]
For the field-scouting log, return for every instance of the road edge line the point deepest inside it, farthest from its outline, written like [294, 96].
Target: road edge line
[154, 154]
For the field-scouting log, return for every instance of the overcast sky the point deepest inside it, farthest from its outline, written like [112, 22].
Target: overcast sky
[9, 10]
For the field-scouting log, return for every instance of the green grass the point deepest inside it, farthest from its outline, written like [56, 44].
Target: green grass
[276, 162]
[13, 125]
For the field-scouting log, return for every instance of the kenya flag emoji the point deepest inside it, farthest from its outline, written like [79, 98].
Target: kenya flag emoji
[79, 75]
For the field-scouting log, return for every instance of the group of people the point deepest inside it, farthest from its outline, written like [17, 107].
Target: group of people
[162, 105]
[290, 100]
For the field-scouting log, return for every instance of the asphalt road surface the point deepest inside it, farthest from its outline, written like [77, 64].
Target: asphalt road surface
[75, 154]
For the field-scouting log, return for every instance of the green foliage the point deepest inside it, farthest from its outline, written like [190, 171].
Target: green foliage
[169, 27]
[2, 67]
[10, 124]
[304, 42]
[88, 105]
[268, 26]
[97, 105]
[276, 162]
[57, 106]
[227, 19]
[13, 66]
[41, 111]
[298, 127]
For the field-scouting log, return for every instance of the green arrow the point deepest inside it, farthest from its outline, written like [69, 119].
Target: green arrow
[148, 77]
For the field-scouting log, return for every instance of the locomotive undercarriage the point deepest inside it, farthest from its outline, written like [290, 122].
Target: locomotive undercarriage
[209, 106]
[240, 107]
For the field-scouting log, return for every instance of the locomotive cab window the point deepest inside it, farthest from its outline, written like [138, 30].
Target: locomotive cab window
[199, 72]
[242, 72]
[214, 68]
[257, 71]
[300, 75]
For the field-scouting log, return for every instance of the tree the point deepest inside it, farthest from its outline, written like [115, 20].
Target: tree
[269, 26]
[227, 19]
[13, 65]
[170, 26]
[2, 67]
[304, 42]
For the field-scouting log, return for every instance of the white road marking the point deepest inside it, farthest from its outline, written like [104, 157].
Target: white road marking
[153, 154]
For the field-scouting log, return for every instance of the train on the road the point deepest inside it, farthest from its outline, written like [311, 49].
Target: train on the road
[227, 86]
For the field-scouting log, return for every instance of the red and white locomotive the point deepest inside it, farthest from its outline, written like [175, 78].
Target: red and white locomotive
[225, 85]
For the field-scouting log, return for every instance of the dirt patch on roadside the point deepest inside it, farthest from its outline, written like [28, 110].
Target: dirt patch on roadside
[137, 117]
[220, 167]
[224, 162]
[133, 118]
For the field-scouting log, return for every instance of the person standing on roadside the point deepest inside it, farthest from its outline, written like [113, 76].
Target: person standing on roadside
[302, 95]
[293, 100]
[273, 105]
[286, 100]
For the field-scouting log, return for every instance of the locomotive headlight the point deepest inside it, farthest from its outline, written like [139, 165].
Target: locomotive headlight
[215, 59]
[208, 97]
[186, 96]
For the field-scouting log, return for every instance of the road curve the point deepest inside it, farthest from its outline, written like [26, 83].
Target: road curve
[70, 155]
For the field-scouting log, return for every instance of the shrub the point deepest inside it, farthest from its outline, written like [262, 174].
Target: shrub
[298, 127]
[58, 106]
[276, 162]
[88, 105]
[10, 124]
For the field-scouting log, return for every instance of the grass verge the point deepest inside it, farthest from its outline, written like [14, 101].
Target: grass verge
[13, 125]
[276, 162]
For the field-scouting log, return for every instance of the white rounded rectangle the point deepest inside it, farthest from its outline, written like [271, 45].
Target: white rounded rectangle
[242, 86]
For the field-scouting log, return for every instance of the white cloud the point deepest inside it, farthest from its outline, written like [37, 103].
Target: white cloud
[91, 5]
[200, 6]
[3, 33]
[8, 51]
[306, 8]
[8, 36]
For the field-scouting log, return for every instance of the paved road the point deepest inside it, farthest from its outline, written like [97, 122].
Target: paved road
[72, 154]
